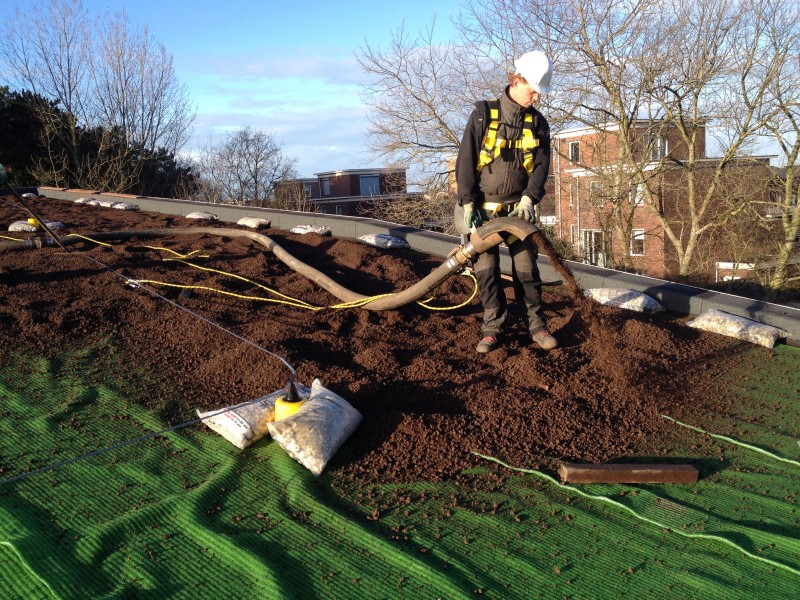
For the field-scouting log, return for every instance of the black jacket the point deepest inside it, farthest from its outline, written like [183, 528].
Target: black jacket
[504, 179]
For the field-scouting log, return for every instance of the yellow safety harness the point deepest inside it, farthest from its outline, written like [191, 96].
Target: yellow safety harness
[492, 145]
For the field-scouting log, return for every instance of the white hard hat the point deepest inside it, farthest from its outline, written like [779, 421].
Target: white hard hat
[537, 70]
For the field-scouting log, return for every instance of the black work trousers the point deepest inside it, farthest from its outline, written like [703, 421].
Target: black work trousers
[527, 286]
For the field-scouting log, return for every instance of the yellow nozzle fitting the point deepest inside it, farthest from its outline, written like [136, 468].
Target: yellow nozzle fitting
[286, 408]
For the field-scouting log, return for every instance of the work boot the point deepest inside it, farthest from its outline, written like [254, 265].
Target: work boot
[487, 344]
[544, 340]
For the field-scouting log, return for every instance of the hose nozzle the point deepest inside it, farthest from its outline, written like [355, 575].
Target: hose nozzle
[291, 393]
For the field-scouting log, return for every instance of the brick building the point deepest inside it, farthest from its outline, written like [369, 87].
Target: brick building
[588, 179]
[345, 192]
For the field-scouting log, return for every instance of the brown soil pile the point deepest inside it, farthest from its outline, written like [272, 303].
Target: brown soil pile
[429, 400]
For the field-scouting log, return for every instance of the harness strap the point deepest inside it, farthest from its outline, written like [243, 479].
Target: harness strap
[494, 207]
[492, 145]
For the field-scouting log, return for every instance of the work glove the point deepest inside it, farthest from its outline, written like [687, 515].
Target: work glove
[3, 175]
[472, 216]
[524, 210]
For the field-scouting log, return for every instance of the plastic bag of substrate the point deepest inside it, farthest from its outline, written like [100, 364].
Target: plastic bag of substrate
[27, 226]
[383, 240]
[22, 226]
[318, 429]
[200, 214]
[320, 229]
[246, 423]
[125, 206]
[741, 328]
[253, 222]
[624, 298]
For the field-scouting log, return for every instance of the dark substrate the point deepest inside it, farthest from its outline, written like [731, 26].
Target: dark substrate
[429, 401]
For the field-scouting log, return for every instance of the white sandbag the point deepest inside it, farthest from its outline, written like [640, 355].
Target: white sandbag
[29, 227]
[624, 298]
[318, 429]
[22, 226]
[30, 196]
[718, 321]
[107, 203]
[383, 240]
[202, 215]
[125, 206]
[320, 229]
[246, 423]
[253, 222]
[83, 200]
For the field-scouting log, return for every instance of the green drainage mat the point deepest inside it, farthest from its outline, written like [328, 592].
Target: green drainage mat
[185, 514]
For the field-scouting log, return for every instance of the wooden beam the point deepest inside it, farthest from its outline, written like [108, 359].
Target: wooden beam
[627, 473]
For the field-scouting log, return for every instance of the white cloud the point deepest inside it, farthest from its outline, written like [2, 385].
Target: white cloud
[330, 65]
[323, 139]
[310, 99]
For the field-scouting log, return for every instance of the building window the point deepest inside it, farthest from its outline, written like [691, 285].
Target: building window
[323, 210]
[339, 210]
[596, 193]
[370, 185]
[637, 242]
[637, 194]
[593, 247]
[326, 187]
[656, 145]
[573, 194]
[575, 152]
[307, 189]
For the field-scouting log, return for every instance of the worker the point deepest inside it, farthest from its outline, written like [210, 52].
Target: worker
[501, 169]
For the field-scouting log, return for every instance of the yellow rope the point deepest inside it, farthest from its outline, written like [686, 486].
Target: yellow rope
[83, 237]
[358, 303]
[239, 277]
[342, 305]
[288, 300]
[423, 303]
[135, 282]
[178, 254]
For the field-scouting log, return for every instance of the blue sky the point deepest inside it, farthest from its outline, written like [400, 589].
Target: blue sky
[285, 67]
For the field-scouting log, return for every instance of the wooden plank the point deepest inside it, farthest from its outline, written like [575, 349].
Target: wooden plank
[627, 473]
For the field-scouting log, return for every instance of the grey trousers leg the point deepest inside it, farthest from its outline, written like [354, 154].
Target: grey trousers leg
[527, 287]
[527, 282]
[487, 273]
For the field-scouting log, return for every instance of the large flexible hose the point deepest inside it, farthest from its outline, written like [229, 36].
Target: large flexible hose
[480, 241]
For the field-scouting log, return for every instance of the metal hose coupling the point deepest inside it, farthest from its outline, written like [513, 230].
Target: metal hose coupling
[461, 255]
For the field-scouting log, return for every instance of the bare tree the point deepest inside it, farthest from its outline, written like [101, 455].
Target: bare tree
[432, 209]
[52, 59]
[136, 88]
[292, 195]
[780, 36]
[244, 168]
[114, 86]
[420, 96]
[650, 71]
